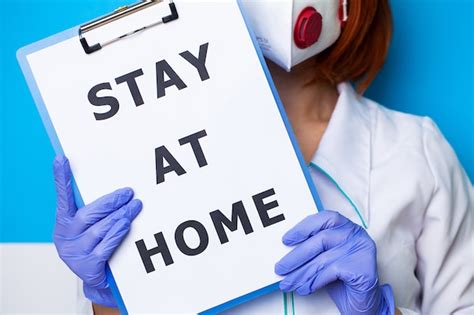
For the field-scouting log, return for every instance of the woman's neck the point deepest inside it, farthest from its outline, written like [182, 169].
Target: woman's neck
[309, 103]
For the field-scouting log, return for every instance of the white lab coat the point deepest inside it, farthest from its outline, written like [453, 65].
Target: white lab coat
[395, 174]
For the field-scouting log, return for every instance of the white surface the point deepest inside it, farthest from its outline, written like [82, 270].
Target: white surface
[35, 281]
[244, 158]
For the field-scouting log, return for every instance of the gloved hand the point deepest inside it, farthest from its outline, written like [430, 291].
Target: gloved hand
[330, 250]
[85, 238]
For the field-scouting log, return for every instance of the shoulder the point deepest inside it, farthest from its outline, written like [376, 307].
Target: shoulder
[393, 131]
[414, 141]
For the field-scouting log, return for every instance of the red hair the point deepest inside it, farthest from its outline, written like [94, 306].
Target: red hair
[360, 52]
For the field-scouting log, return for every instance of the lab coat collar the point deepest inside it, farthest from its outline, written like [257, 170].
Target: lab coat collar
[344, 152]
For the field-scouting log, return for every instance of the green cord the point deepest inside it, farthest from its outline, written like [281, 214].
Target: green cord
[285, 303]
[293, 303]
[343, 193]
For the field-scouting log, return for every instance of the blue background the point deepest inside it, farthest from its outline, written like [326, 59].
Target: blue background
[429, 72]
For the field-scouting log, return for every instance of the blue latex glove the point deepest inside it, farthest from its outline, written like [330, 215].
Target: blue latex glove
[85, 238]
[331, 251]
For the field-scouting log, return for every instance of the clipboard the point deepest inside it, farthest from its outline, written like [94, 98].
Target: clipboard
[172, 13]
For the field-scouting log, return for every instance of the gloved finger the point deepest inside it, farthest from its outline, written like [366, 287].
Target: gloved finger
[315, 245]
[112, 239]
[324, 277]
[96, 233]
[101, 208]
[313, 275]
[66, 206]
[312, 224]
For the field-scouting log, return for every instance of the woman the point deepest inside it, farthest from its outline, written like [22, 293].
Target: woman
[398, 241]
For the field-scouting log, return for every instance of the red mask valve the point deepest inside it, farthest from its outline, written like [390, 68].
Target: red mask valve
[308, 28]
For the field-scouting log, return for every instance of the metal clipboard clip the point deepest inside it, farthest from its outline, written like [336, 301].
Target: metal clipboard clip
[121, 13]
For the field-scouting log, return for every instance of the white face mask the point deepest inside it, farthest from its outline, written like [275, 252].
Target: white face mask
[291, 31]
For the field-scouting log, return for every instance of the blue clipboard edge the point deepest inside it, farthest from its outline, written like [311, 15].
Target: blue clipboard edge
[22, 54]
